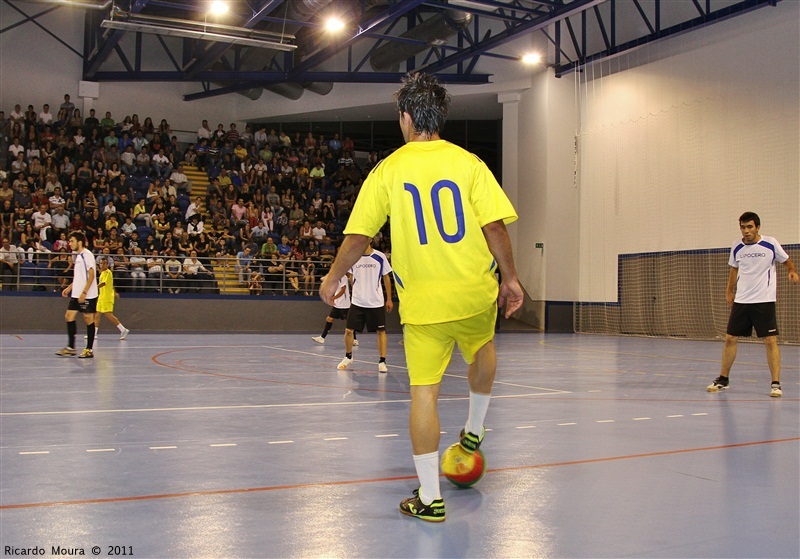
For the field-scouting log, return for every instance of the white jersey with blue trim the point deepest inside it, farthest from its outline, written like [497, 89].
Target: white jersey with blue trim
[343, 301]
[84, 261]
[368, 275]
[756, 264]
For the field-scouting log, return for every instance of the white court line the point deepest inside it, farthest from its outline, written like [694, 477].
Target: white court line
[101, 450]
[641, 418]
[679, 415]
[562, 424]
[385, 436]
[605, 421]
[222, 444]
[162, 447]
[699, 414]
[36, 452]
[335, 439]
[257, 406]
[280, 442]
[525, 427]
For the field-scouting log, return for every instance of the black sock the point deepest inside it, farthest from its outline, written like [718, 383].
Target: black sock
[328, 326]
[348, 355]
[774, 382]
[354, 335]
[72, 329]
[90, 335]
[382, 360]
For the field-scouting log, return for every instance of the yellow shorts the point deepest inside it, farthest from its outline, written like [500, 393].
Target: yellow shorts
[429, 347]
[105, 306]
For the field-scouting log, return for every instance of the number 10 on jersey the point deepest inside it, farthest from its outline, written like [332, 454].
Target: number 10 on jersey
[436, 204]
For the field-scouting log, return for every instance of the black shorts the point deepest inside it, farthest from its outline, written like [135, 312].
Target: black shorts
[340, 314]
[746, 316]
[375, 319]
[88, 306]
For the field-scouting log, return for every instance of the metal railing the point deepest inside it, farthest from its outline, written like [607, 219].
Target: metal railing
[52, 271]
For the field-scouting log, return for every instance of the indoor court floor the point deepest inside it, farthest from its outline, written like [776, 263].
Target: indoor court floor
[246, 445]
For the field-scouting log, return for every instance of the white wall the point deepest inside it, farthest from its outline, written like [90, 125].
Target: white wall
[675, 142]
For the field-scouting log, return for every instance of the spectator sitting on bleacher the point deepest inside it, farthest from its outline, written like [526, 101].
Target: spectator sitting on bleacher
[173, 273]
[155, 269]
[127, 228]
[180, 181]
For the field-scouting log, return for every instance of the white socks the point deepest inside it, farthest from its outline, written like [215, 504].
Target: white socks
[121, 328]
[427, 466]
[478, 406]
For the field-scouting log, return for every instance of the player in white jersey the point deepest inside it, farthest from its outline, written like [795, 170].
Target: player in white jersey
[341, 304]
[751, 294]
[83, 294]
[368, 305]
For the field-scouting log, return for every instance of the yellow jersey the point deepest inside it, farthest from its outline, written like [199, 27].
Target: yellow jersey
[106, 296]
[438, 196]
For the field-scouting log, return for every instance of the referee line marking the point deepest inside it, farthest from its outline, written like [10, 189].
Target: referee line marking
[240, 490]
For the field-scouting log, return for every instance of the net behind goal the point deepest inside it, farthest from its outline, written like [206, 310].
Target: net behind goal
[681, 294]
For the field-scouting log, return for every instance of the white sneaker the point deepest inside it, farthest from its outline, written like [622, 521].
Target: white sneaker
[124, 334]
[319, 339]
[775, 390]
[355, 343]
[382, 368]
[344, 363]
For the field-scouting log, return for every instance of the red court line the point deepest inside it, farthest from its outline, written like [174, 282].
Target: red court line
[377, 480]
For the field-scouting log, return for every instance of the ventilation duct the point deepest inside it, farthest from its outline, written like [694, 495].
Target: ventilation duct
[431, 32]
[320, 88]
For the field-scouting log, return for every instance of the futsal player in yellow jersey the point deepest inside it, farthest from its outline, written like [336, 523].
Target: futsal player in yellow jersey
[105, 302]
[448, 216]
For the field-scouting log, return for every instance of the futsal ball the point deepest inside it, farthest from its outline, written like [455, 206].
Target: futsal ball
[462, 468]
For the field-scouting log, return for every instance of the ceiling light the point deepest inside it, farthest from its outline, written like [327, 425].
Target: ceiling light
[218, 7]
[231, 35]
[532, 58]
[334, 24]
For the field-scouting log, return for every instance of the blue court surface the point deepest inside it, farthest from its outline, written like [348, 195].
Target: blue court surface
[246, 445]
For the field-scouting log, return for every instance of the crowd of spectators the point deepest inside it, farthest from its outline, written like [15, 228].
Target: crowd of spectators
[274, 209]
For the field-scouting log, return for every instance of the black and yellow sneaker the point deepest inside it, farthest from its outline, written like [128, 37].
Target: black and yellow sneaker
[470, 441]
[66, 352]
[86, 354]
[720, 383]
[413, 506]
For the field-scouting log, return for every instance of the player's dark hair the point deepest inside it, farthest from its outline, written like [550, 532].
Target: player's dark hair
[425, 100]
[78, 236]
[750, 216]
